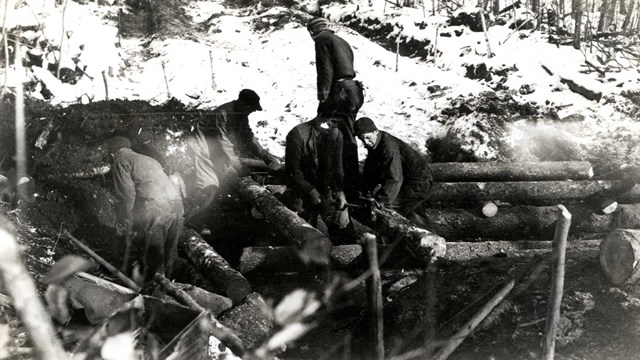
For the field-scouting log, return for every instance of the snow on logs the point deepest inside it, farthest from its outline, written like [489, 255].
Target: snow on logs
[424, 244]
[523, 192]
[229, 281]
[517, 171]
[619, 256]
[311, 245]
[527, 222]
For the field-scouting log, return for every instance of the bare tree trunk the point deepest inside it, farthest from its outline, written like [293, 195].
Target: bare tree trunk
[577, 11]
[611, 16]
[604, 10]
[5, 45]
[496, 6]
[25, 298]
[627, 18]
[535, 7]
[623, 7]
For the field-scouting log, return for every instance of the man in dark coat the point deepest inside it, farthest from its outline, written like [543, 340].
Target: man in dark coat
[335, 80]
[222, 136]
[396, 175]
[313, 164]
[150, 205]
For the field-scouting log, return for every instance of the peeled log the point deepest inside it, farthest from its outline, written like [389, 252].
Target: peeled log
[311, 245]
[619, 255]
[459, 194]
[526, 222]
[423, 243]
[521, 171]
[228, 280]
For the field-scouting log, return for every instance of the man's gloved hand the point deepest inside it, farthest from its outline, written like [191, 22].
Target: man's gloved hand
[341, 200]
[314, 195]
[272, 162]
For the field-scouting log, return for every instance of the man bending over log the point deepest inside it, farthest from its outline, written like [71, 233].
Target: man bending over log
[220, 138]
[395, 175]
[314, 172]
[150, 205]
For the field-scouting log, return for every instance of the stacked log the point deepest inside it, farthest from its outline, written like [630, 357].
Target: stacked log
[257, 260]
[619, 255]
[523, 194]
[521, 171]
[312, 246]
[228, 281]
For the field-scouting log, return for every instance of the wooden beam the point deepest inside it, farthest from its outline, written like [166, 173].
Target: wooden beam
[310, 244]
[515, 171]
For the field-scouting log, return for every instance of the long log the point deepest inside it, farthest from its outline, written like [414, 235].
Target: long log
[527, 222]
[281, 259]
[462, 194]
[619, 256]
[228, 280]
[423, 243]
[520, 171]
[311, 245]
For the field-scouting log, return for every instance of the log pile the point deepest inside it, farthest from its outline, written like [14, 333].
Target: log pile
[494, 201]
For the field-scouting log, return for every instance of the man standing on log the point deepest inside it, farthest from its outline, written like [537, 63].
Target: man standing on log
[150, 205]
[335, 80]
[396, 175]
[313, 164]
[222, 136]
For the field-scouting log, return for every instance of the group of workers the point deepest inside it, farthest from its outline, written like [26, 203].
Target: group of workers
[321, 165]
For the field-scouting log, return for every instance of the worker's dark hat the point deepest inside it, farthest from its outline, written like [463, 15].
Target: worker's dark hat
[328, 108]
[316, 24]
[363, 126]
[116, 143]
[250, 98]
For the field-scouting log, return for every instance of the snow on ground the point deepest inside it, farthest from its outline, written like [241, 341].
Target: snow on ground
[279, 66]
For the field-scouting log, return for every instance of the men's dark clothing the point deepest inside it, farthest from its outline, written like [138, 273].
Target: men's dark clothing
[402, 174]
[313, 161]
[152, 202]
[335, 80]
[334, 61]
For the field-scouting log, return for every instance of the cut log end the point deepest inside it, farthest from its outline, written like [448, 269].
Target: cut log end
[489, 209]
[608, 206]
[316, 249]
[619, 255]
[564, 212]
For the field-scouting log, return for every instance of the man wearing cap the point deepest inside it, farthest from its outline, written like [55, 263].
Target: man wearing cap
[335, 80]
[222, 136]
[396, 175]
[150, 204]
[313, 165]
